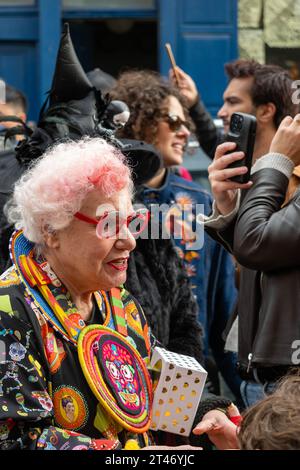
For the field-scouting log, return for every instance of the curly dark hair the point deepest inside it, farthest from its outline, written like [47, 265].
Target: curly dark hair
[145, 92]
[274, 423]
[271, 84]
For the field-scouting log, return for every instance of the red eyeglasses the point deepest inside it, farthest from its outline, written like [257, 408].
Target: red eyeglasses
[110, 223]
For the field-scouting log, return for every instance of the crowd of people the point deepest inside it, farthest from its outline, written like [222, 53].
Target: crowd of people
[95, 277]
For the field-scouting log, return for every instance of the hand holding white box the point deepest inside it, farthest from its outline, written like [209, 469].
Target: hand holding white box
[178, 391]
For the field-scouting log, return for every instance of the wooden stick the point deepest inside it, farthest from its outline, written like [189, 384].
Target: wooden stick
[172, 60]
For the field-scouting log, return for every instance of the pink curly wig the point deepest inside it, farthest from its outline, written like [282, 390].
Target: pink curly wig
[52, 190]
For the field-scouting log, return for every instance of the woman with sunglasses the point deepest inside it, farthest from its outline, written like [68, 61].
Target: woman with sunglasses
[159, 116]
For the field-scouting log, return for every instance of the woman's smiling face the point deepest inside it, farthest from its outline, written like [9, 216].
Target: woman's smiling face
[87, 262]
[171, 144]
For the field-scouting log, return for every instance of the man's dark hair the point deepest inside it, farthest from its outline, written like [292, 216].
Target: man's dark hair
[16, 98]
[271, 84]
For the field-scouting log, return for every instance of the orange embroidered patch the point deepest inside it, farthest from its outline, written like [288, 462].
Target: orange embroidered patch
[54, 350]
[70, 409]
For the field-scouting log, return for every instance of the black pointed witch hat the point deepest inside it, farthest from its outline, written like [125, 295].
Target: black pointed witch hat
[75, 105]
[72, 108]
[70, 81]
[76, 109]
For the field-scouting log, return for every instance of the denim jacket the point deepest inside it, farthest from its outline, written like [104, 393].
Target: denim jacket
[209, 267]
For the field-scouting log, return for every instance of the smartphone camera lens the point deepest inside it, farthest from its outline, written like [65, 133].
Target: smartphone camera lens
[236, 123]
[240, 122]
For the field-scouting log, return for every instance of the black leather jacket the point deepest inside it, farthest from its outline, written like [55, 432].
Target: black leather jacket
[265, 239]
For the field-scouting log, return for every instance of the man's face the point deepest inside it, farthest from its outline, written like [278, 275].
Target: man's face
[9, 110]
[237, 98]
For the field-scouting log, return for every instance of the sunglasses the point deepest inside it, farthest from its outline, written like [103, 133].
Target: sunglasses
[175, 122]
[110, 223]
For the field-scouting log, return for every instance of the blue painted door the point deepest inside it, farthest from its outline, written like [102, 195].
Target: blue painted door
[18, 68]
[29, 37]
[203, 35]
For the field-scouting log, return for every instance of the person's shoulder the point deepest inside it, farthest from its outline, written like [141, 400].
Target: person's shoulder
[10, 167]
[20, 318]
[12, 302]
[9, 280]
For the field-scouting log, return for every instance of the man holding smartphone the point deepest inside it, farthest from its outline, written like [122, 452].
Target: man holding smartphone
[264, 237]
[266, 92]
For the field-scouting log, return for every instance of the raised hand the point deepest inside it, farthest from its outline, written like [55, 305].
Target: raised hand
[224, 190]
[287, 139]
[185, 84]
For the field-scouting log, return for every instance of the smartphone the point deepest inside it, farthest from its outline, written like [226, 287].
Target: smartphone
[172, 60]
[242, 131]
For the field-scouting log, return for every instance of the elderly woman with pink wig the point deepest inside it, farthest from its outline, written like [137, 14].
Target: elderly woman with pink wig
[74, 343]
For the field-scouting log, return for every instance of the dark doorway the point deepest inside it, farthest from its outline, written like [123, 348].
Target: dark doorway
[115, 44]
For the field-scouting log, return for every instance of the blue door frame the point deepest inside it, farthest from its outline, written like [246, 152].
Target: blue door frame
[203, 36]
[29, 38]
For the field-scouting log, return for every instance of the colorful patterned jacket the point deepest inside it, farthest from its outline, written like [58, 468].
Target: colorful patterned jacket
[45, 401]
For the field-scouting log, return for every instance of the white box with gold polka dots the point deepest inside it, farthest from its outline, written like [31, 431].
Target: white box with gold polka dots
[178, 383]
